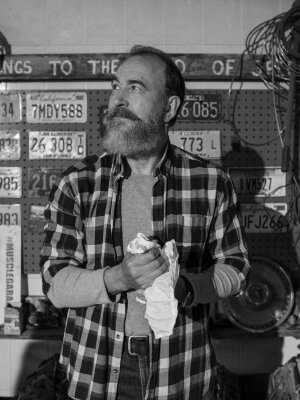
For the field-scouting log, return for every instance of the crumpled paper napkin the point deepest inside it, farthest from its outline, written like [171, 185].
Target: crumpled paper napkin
[161, 305]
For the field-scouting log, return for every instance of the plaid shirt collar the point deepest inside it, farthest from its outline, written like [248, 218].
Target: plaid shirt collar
[162, 168]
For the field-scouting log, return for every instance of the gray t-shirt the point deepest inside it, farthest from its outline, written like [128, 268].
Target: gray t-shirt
[136, 217]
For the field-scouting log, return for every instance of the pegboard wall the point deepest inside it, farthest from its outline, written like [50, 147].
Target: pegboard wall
[248, 141]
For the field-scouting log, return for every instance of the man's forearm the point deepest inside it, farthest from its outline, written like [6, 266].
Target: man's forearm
[76, 287]
[217, 283]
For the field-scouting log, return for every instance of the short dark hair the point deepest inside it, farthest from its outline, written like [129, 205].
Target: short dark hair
[174, 82]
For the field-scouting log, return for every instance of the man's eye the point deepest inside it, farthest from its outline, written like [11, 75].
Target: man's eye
[114, 86]
[135, 88]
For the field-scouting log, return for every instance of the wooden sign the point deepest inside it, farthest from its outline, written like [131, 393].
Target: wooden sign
[55, 67]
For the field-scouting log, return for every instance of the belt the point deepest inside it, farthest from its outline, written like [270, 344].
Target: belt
[137, 345]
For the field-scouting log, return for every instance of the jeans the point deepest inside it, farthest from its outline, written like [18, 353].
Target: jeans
[134, 372]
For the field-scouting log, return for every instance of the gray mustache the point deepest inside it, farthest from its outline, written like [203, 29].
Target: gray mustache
[121, 112]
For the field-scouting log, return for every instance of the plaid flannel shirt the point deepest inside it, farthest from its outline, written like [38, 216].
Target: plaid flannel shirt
[193, 203]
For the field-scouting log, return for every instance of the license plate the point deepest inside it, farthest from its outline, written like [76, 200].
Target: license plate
[10, 148]
[201, 107]
[41, 180]
[10, 181]
[259, 182]
[265, 218]
[10, 107]
[56, 107]
[57, 144]
[206, 144]
[10, 214]
[36, 218]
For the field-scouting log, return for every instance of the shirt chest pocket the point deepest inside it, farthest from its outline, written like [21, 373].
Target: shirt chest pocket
[190, 233]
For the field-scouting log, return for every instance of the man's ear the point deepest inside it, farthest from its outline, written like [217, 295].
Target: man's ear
[173, 105]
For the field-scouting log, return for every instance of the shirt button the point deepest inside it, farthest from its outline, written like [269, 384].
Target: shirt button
[115, 370]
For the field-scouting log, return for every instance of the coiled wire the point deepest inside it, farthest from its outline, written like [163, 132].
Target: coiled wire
[274, 51]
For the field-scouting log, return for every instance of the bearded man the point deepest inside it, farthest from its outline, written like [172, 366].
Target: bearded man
[141, 183]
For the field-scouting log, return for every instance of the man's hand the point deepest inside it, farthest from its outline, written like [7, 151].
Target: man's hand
[136, 271]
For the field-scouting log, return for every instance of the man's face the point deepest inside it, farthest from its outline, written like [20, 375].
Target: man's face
[135, 121]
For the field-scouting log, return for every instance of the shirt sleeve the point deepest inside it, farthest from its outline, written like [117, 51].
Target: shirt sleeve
[226, 240]
[214, 284]
[66, 280]
[75, 287]
[229, 270]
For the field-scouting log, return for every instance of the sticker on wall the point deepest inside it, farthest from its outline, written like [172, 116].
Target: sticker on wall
[265, 217]
[10, 267]
[56, 107]
[41, 180]
[10, 147]
[206, 144]
[10, 107]
[10, 182]
[57, 144]
[36, 218]
[258, 182]
[203, 107]
[10, 214]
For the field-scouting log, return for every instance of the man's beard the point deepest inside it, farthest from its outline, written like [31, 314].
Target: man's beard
[128, 135]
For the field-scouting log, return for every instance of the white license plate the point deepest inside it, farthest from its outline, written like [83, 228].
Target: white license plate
[10, 107]
[10, 148]
[10, 214]
[206, 144]
[268, 181]
[10, 182]
[56, 107]
[57, 144]
[201, 107]
[41, 180]
[265, 218]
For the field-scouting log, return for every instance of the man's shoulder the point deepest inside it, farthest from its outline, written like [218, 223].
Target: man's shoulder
[184, 159]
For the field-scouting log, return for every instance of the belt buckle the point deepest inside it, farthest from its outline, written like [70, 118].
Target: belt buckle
[129, 343]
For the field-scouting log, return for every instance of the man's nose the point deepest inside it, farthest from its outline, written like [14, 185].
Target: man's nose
[120, 98]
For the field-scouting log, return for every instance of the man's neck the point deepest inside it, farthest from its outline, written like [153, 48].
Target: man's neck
[147, 165]
[143, 167]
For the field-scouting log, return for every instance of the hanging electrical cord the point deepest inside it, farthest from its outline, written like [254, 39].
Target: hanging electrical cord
[274, 41]
[277, 41]
[274, 49]
[231, 107]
